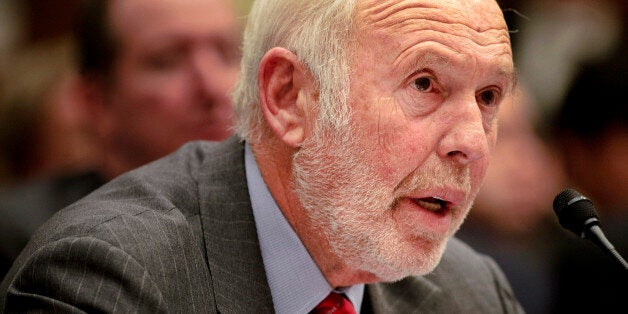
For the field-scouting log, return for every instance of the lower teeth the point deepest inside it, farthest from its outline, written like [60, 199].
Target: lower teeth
[429, 205]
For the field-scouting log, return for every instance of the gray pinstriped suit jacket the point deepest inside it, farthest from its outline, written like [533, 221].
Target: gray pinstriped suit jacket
[178, 235]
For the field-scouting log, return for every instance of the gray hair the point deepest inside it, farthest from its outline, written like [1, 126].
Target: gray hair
[318, 32]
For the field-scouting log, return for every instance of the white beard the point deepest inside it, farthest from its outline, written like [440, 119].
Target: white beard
[353, 208]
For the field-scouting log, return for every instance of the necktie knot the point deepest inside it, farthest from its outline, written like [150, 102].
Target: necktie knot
[334, 303]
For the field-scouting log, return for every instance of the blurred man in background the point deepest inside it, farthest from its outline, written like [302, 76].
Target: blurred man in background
[162, 78]
[154, 75]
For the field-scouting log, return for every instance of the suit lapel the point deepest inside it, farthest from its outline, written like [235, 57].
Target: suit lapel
[410, 295]
[228, 227]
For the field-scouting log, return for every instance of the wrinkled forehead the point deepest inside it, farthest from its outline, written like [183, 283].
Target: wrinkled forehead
[469, 18]
[398, 32]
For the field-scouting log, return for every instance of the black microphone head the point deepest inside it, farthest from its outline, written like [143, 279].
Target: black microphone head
[574, 211]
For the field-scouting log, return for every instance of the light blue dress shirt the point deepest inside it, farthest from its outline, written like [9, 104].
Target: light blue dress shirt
[296, 283]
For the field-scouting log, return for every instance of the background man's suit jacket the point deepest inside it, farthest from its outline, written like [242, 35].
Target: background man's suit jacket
[178, 235]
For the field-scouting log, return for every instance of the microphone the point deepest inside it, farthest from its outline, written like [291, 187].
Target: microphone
[577, 214]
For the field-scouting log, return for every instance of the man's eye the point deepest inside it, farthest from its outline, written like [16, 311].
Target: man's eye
[488, 98]
[164, 60]
[423, 84]
[228, 51]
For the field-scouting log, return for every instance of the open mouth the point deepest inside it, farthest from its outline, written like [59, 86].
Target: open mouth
[432, 204]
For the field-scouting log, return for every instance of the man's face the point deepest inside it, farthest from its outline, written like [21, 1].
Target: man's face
[391, 188]
[177, 62]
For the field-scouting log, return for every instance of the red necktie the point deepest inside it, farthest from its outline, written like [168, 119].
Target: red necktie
[334, 303]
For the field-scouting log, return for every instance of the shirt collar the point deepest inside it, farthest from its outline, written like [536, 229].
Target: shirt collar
[296, 283]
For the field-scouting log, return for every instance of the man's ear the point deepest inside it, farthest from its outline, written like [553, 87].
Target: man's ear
[284, 83]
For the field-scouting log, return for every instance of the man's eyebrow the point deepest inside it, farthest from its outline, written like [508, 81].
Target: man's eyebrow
[511, 75]
[431, 57]
[427, 58]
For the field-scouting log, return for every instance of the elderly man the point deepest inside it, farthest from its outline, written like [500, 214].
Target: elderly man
[364, 133]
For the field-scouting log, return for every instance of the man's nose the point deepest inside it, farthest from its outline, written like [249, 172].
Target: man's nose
[214, 77]
[466, 139]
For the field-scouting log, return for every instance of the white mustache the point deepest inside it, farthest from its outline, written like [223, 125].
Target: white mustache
[431, 176]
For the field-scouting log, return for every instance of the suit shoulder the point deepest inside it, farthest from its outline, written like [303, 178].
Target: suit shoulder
[476, 277]
[166, 190]
[463, 282]
[460, 262]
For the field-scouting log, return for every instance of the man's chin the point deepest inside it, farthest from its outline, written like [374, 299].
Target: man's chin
[395, 276]
[415, 261]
